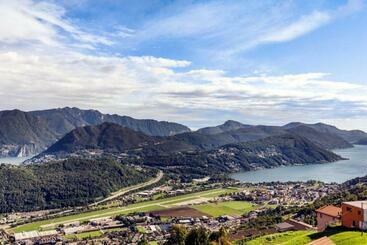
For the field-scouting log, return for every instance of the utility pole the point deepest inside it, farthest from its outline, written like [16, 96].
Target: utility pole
[363, 224]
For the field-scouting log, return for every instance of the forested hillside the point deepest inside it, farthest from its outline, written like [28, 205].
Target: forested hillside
[65, 183]
[265, 153]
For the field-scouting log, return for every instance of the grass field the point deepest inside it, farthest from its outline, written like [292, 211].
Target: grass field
[349, 238]
[225, 208]
[138, 207]
[80, 236]
[339, 236]
[286, 238]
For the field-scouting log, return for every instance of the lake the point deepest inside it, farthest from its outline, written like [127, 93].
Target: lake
[338, 172]
[14, 160]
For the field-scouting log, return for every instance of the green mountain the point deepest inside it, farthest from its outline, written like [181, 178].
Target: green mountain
[114, 138]
[234, 132]
[106, 136]
[270, 152]
[71, 182]
[324, 139]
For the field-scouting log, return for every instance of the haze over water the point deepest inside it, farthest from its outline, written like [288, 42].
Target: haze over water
[338, 172]
[14, 160]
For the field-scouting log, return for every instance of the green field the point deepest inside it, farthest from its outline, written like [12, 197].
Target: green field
[286, 238]
[225, 208]
[339, 236]
[349, 238]
[138, 207]
[80, 236]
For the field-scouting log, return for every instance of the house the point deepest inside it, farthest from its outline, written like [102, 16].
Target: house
[328, 215]
[354, 214]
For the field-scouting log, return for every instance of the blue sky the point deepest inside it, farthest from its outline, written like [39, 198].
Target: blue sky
[195, 62]
[325, 48]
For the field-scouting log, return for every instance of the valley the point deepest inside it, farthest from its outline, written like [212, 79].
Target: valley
[98, 176]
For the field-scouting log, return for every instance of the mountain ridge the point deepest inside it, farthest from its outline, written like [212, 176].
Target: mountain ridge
[28, 133]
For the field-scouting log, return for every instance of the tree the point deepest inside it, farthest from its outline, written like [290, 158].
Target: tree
[143, 242]
[177, 236]
[197, 236]
[220, 237]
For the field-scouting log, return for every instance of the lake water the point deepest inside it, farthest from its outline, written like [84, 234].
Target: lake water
[14, 160]
[338, 172]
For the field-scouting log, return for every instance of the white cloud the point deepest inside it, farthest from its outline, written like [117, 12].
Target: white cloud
[153, 87]
[56, 74]
[41, 22]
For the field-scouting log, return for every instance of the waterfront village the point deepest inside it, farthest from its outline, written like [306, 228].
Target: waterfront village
[148, 215]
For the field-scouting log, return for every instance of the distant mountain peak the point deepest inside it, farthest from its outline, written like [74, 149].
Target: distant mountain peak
[228, 125]
[106, 136]
[231, 123]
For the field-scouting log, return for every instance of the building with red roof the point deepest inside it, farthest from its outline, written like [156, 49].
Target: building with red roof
[328, 215]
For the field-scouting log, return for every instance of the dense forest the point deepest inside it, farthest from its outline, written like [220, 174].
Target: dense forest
[64, 183]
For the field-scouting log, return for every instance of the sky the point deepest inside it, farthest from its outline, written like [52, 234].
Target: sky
[198, 63]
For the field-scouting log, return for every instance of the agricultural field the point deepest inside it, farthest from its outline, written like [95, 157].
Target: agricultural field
[138, 207]
[179, 212]
[225, 208]
[91, 234]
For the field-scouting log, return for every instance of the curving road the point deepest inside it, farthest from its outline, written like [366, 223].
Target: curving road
[130, 188]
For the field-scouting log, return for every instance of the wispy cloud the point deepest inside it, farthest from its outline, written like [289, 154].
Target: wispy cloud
[232, 27]
[298, 28]
[42, 23]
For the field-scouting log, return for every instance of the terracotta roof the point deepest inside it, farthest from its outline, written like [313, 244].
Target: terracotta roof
[330, 211]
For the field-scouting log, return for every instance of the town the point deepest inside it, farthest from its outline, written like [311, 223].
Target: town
[149, 214]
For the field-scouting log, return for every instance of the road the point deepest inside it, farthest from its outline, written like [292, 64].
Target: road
[130, 188]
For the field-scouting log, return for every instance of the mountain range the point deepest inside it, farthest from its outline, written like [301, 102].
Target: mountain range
[71, 129]
[141, 144]
[28, 133]
[111, 137]
[195, 154]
